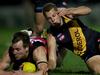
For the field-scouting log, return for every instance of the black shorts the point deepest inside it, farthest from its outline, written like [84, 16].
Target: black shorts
[93, 47]
[40, 3]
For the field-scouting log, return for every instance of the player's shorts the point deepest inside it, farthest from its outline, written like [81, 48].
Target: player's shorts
[40, 3]
[93, 47]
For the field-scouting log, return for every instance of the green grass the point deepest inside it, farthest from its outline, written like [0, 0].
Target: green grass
[72, 64]
[5, 38]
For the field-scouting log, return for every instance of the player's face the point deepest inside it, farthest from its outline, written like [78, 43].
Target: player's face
[53, 18]
[19, 51]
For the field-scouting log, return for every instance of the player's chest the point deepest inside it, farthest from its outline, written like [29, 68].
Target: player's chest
[63, 36]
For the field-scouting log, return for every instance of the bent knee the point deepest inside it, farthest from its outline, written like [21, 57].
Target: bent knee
[96, 70]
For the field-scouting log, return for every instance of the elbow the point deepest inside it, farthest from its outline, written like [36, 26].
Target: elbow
[84, 10]
[51, 64]
[89, 10]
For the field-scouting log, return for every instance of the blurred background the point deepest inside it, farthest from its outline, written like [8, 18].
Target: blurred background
[19, 14]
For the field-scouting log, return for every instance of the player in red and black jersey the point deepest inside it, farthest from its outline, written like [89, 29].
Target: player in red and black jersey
[25, 49]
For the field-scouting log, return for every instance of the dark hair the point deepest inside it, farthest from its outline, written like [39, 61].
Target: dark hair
[21, 36]
[47, 7]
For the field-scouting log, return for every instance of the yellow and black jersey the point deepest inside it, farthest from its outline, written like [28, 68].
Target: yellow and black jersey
[77, 37]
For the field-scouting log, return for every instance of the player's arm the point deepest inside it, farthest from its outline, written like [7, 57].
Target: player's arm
[52, 57]
[24, 73]
[74, 11]
[81, 10]
[41, 59]
[4, 63]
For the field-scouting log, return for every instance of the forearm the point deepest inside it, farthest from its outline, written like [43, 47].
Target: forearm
[36, 73]
[82, 10]
[41, 58]
[25, 73]
[78, 11]
[5, 73]
[51, 52]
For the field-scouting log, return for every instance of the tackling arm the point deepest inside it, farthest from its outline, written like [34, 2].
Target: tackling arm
[41, 59]
[52, 57]
[4, 63]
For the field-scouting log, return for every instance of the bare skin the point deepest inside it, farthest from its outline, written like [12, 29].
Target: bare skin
[52, 57]
[39, 22]
[18, 48]
[54, 17]
[94, 64]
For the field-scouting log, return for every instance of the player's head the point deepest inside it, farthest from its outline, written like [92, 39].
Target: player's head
[20, 45]
[51, 14]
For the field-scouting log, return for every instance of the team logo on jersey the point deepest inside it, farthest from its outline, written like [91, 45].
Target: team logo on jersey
[61, 37]
[37, 39]
[78, 38]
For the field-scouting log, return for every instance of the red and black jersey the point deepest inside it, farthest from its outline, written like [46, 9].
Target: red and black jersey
[35, 42]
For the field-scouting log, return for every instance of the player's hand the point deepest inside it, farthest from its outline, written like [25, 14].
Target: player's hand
[61, 11]
[43, 66]
[66, 12]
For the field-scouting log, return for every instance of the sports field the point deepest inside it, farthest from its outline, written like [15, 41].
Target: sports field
[72, 64]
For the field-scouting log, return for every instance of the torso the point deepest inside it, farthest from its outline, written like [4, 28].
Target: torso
[75, 36]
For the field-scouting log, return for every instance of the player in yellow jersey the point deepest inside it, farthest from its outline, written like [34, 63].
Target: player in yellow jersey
[39, 18]
[72, 34]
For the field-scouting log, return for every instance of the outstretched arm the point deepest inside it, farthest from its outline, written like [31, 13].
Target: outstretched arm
[74, 11]
[4, 63]
[23, 73]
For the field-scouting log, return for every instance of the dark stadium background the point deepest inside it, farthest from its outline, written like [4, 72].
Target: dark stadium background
[18, 14]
